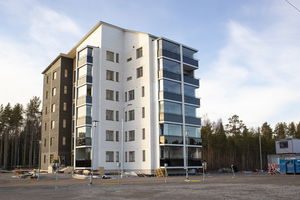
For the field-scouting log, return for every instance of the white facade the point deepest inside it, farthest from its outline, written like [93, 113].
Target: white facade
[134, 61]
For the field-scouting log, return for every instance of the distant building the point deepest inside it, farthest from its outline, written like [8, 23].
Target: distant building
[113, 72]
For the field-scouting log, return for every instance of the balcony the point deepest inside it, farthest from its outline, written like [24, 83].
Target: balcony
[87, 59]
[192, 100]
[195, 141]
[169, 74]
[83, 163]
[170, 96]
[170, 139]
[194, 162]
[84, 120]
[170, 117]
[83, 141]
[169, 54]
[84, 100]
[175, 162]
[84, 79]
[192, 120]
[191, 80]
[190, 61]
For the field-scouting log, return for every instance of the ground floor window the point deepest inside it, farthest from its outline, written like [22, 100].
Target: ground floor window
[131, 156]
[109, 156]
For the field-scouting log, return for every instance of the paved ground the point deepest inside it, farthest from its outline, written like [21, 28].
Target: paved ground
[215, 186]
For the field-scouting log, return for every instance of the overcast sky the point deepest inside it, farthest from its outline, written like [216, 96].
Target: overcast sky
[249, 50]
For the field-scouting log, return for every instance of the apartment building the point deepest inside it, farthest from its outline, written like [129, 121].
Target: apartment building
[121, 96]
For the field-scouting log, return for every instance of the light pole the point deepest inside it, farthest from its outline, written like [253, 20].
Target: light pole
[40, 146]
[260, 149]
[187, 155]
[122, 143]
[95, 125]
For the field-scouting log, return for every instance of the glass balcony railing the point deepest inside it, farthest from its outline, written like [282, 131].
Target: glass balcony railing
[169, 54]
[190, 61]
[166, 139]
[170, 96]
[194, 141]
[191, 80]
[84, 79]
[192, 100]
[85, 141]
[192, 120]
[84, 120]
[170, 117]
[177, 162]
[84, 60]
[83, 163]
[84, 100]
[168, 74]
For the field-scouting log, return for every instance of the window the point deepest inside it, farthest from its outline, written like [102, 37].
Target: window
[139, 72]
[45, 126]
[144, 155]
[125, 156]
[64, 123]
[109, 135]
[65, 89]
[109, 95]
[73, 109]
[52, 141]
[66, 73]
[52, 124]
[109, 75]
[125, 96]
[131, 135]
[65, 106]
[117, 156]
[131, 95]
[64, 140]
[117, 115]
[53, 91]
[47, 79]
[131, 115]
[117, 136]
[117, 58]
[74, 92]
[46, 111]
[54, 76]
[117, 76]
[129, 59]
[46, 94]
[110, 56]
[73, 126]
[143, 112]
[139, 52]
[109, 156]
[110, 115]
[45, 142]
[53, 107]
[126, 116]
[284, 145]
[144, 134]
[131, 156]
[44, 158]
[129, 78]
[74, 76]
[143, 91]
[125, 136]
[117, 96]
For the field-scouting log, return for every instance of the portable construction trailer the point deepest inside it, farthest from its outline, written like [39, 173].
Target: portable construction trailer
[287, 146]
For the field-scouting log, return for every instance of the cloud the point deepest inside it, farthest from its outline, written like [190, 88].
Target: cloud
[256, 74]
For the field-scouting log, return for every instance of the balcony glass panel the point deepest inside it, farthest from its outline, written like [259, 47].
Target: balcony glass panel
[83, 153]
[169, 107]
[84, 111]
[175, 162]
[86, 70]
[84, 131]
[190, 111]
[189, 91]
[171, 140]
[168, 65]
[168, 74]
[193, 131]
[191, 80]
[170, 117]
[171, 129]
[170, 86]
[192, 100]
[189, 52]
[195, 141]
[170, 96]
[83, 91]
[84, 60]
[170, 46]
[171, 152]
[82, 141]
[84, 100]
[192, 120]
[83, 163]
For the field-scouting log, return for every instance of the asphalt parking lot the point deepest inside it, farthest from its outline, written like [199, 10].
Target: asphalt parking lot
[215, 186]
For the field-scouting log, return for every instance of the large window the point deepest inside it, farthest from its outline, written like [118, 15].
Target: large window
[131, 156]
[168, 65]
[169, 46]
[86, 70]
[189, 91]
[109, 115]
[109, 156]
[193, 131]
[84, 111]
[170, 86]
[83, 132]
[169, 107]
[139, 52]
[139, 72]
[131, 115]
[83, 153]
[109, 135]
[190, 111]
[131, 135]
[110, 56]
[131, 95]
[109, 75]
[84, 91]
[109, 95]
[171, 129]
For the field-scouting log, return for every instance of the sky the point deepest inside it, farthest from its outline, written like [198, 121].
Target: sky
[249, 50]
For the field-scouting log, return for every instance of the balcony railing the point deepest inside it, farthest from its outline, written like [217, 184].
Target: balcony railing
[84, 79]
[87, 59]
[191, 80]
[195, 141]
[83, 141]
[170, 117]
[169, 54]
[169, 74]
[170, 96]
[83, 163]
[175, 162]
[192, 100]
[83, 100]
[166, 139]
[190, 61]
[84, 120]
[192, 120]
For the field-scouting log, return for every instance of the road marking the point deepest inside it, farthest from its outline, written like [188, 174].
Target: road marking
[110, 183]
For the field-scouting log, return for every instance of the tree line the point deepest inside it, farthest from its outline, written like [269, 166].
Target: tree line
[236, 144]
[20, 132]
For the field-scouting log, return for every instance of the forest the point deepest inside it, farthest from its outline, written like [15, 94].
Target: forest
[236, 144]
[20, 132]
